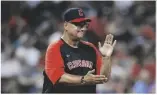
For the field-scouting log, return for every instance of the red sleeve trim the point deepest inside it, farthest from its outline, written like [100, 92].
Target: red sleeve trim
[98, 57]
[54, 74]
[54, 64]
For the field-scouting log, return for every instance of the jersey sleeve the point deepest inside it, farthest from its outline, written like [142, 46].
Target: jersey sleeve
[98, 61]
[54, 66]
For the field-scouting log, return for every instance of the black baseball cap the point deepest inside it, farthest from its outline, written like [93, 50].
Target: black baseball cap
[75, 15]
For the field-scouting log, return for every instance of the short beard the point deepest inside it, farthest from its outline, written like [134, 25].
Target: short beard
[77, 39]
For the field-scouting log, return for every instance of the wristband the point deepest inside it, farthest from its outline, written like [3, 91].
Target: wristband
[82, 80]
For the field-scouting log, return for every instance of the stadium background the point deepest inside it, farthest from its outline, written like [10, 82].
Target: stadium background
[27, 27]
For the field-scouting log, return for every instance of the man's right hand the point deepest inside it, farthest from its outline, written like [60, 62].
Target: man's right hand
[90, 78]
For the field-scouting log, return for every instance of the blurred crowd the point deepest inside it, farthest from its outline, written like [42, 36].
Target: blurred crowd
[28, 27]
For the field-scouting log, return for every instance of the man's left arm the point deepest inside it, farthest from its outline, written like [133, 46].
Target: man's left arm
[106, 51]
[105, 68]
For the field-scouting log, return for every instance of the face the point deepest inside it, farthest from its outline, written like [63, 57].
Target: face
[76, 30]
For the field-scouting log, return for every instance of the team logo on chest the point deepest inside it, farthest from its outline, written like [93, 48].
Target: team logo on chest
[80, 63]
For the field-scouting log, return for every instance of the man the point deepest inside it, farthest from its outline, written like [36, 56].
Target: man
[75, 66]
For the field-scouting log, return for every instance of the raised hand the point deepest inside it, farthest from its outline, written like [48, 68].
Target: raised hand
[107, 48]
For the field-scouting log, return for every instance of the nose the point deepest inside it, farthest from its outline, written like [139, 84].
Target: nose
[83, 29]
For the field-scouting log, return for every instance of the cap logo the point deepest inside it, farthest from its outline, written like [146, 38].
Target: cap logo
[80, 12]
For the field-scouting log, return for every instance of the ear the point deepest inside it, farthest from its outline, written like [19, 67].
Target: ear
[65, 25]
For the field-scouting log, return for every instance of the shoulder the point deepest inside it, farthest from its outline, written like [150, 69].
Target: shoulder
[55, 45]
[92, 46]
[89, 44]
